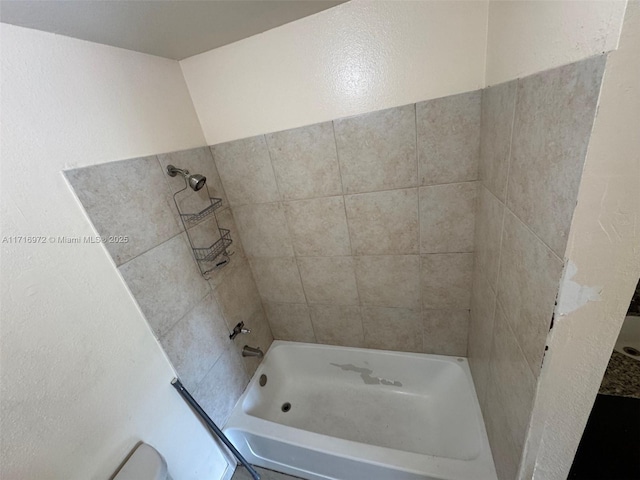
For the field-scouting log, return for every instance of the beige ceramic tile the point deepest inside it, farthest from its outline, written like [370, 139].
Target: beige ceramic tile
[238, 295]
[127, 198]
[446, 280]
[498, 105]
[389, 280]
[377, 151]
[165, 282]
[196, 161]
[195, 343]
[337, 325]
[246, 171]
[513, 379]
[392, 328]
[290, 321]
[449, 138]
[554, 115]
[278, 279]
[527, 287]
[263, 230]
[445, 332]
[305, 162]
[506, 451]
[483, 303]
[488, 234]
[383, 222]
[447, 215]
[220, 389]
[329, 280]
[318, 227]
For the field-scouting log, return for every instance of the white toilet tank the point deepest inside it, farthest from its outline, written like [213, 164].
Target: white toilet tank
[145, 463]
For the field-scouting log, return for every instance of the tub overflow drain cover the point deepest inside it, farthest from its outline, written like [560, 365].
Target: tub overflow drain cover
[263, 380]
[632, 351]
[286, 406]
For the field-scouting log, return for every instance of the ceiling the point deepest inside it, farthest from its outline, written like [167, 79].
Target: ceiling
[174, 29]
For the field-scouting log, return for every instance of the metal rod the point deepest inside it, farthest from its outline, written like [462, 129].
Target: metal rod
[203, 415]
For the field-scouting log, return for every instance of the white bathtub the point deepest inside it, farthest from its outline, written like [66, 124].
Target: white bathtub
[362, 414]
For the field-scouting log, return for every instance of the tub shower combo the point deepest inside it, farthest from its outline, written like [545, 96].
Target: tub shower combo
[372, 231]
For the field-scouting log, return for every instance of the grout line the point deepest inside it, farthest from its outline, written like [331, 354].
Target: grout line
[286, 221]
[492, 194]
[174, 325]
[335, 144]
[346, 217]
[515, 338]
[236, 205]
[313, 328]
[149, 249]
[273, 170]
[485, 278]
[507, 209]
[370, 305]
[219, 357]
[361, 315]
[420, 259]
[506, 190]
[415, 124]
[370, 255]
[513, 124]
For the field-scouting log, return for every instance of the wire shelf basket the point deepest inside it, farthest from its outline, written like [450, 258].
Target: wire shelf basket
[191, 219]
[209, 254]
[208, 258]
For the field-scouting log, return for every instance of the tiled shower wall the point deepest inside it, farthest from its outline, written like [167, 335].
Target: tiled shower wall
[360, 231]
[534, 138]
[190, 316]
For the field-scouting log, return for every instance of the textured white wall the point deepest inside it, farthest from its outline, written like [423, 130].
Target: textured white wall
[528, 36]
[604, 247]
[83, 378]
[354, 58]
[363, 56]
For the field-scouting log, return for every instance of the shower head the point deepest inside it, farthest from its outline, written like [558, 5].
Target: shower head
[196, 181]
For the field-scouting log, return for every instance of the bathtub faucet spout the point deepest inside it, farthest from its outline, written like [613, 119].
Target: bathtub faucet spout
[248, 351]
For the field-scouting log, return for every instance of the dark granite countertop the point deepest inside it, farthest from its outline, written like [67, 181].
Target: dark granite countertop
[622, 377]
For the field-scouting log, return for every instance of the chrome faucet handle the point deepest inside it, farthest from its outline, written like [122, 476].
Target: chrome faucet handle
[238, 329]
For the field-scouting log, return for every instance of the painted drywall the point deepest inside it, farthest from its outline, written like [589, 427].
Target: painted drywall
[83, 378]
[603, 246]
[357, 57]
[525, 37]
[364, 56]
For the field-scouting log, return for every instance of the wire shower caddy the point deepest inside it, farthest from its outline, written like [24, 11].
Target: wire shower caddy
[216, 255]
